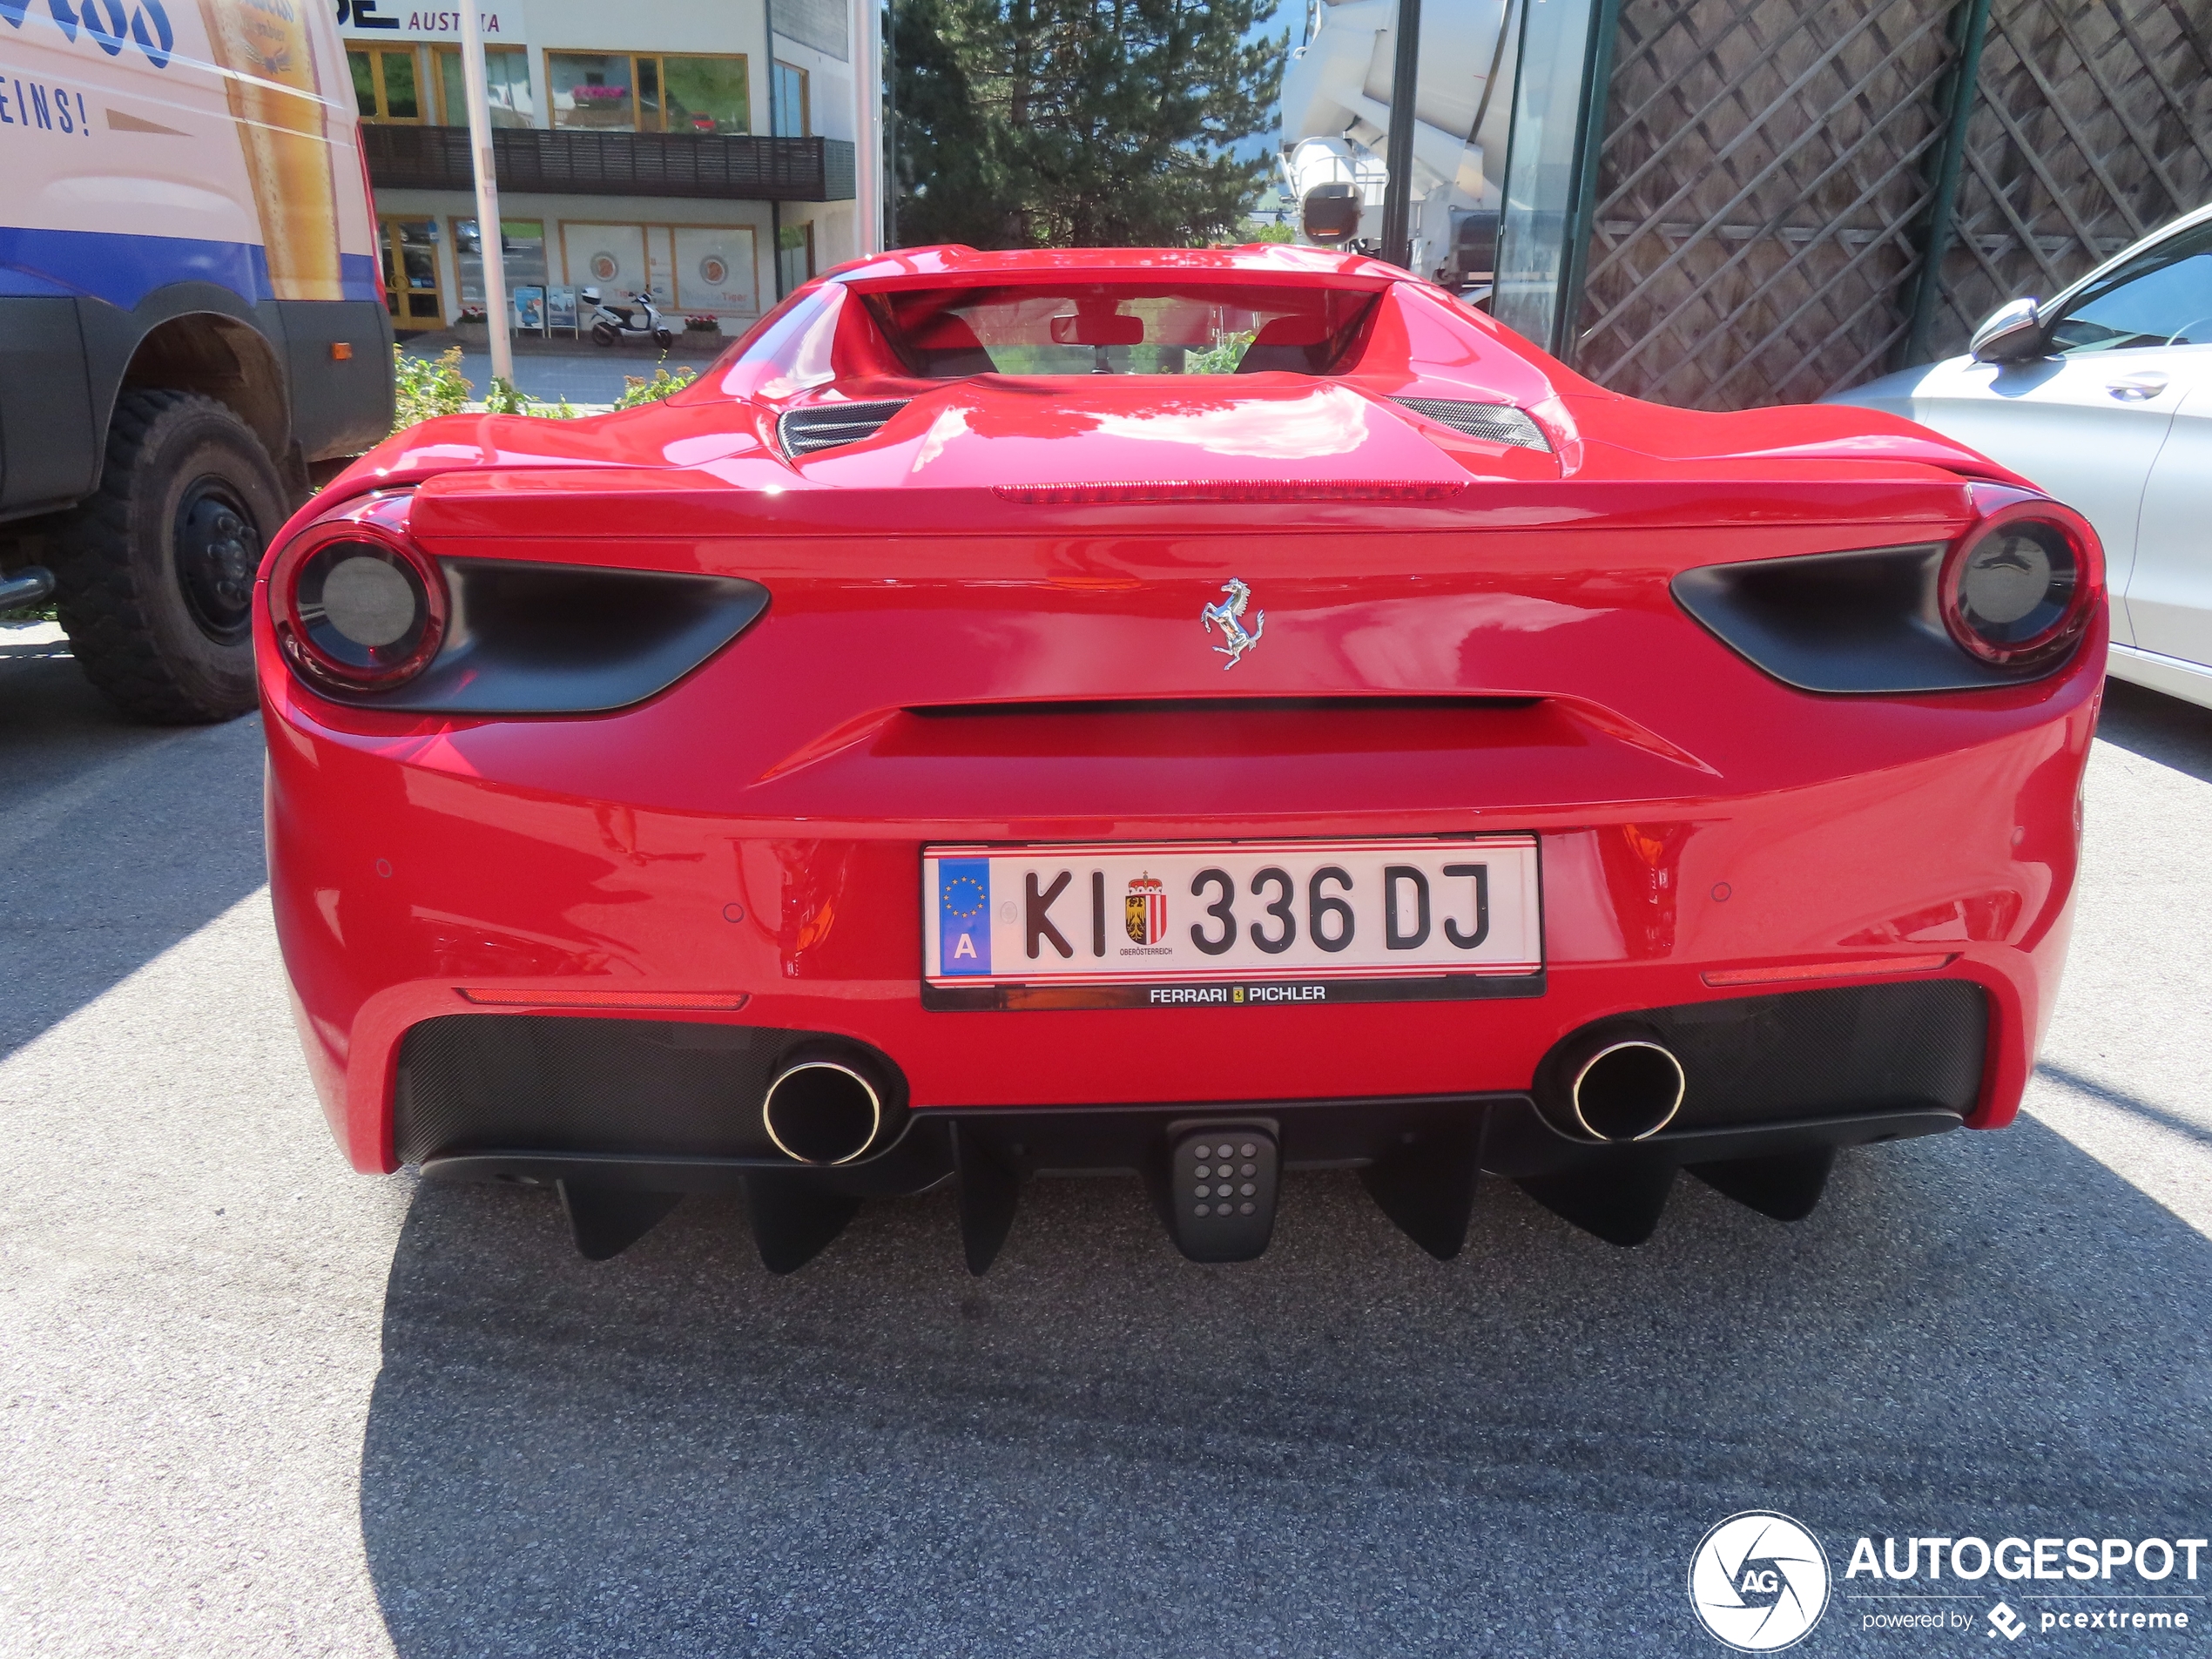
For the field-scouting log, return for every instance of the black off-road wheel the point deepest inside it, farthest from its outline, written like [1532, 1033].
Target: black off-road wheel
[156, 586]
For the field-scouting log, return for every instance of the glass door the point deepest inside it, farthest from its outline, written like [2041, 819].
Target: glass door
[410, 252]
[794, 255]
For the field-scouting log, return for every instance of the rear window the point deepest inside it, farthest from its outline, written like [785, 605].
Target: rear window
[1121, 328]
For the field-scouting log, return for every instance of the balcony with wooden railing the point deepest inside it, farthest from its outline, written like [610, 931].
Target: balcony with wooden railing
[574, 162]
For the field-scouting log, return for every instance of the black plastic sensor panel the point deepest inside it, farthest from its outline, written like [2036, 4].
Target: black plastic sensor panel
[1866, 622]
[569, 639]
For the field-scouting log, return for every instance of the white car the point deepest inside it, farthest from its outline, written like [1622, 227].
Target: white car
[2103, 397]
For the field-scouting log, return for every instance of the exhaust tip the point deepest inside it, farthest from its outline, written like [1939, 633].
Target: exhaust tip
[1627, 1090]
[820, 1111]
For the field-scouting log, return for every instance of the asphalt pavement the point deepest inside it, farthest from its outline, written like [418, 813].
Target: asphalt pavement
[256, 1404]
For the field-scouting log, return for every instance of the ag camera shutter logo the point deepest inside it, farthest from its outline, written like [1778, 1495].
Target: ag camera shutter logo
[1759, 1581]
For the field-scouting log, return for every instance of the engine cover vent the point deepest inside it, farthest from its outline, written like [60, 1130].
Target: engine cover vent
[1499, 422]
[824, 426]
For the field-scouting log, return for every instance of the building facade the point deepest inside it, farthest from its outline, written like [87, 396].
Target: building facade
[703, 150]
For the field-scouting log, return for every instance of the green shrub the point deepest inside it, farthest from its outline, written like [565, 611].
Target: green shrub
[1219, 359]
[503, 399]
[426, 386]
[663, 384]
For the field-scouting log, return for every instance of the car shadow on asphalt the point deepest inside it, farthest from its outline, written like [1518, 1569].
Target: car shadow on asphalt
[1342, 1448]
[120, 840]
[2166, 729]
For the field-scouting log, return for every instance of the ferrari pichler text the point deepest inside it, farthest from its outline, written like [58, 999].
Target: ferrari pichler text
[1230, 996]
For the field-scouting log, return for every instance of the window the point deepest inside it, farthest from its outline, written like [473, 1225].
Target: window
[507, 84]
[409, 250]
[2163, 297]
[706, 95]
[384, 83]
[523, 246]
[591, 89]
[1138, 329]
[794, 256]
[644, 93]
[1548, 187]
[794, 119]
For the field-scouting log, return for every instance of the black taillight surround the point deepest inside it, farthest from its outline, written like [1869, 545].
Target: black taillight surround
[1890, 619]
[502, 636]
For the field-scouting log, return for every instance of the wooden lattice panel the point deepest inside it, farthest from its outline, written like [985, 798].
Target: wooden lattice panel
[1768, 175]
[1764, 166]
[2092, 127]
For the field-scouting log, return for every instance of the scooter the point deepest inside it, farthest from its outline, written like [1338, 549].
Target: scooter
[610, 323]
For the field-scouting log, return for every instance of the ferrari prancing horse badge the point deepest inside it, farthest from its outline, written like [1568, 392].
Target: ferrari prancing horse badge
[1229, 614]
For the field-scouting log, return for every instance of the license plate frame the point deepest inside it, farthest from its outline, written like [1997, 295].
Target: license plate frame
[1117, 960]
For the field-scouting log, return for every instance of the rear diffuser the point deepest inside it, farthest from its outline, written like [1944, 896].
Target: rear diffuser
[990, 1191]
[794, 1219]
[605, 1221]
[1786, 1185]
[1426, 1186]
[1618, 1197]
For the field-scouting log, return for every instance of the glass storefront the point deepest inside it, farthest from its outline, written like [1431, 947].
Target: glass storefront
[524, 247]
[409, 251]
[794, 256]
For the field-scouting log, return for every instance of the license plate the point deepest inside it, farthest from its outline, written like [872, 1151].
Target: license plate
[1232, 924]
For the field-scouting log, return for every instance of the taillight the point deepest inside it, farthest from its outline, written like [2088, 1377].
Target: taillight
[358, 606]
[2021, 588]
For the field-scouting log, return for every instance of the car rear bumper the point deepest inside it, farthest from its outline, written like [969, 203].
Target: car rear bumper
[413, 885]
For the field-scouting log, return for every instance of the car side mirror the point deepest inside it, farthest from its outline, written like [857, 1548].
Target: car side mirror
[2014, 334]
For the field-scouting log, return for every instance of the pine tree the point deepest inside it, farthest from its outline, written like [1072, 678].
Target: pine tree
[1080, 123]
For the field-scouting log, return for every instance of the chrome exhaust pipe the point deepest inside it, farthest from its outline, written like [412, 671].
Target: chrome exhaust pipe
[1627, 1089]
[822, 1111]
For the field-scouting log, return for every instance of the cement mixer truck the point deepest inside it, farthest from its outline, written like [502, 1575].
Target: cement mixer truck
[1337, 114]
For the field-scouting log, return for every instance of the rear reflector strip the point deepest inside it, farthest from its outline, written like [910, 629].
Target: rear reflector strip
[1243, 490]
[1864, 969]
[690, 1001]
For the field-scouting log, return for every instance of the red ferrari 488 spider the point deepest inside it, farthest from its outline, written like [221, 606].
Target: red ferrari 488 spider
[1201, 714]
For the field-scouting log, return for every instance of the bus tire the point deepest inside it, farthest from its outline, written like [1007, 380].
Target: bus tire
[155, 588]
